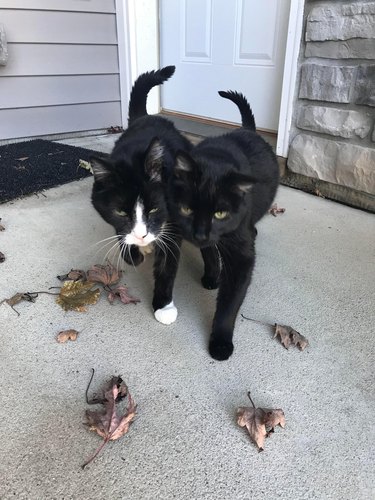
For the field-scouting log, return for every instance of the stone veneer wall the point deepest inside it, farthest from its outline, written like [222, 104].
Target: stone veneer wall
[333, 127]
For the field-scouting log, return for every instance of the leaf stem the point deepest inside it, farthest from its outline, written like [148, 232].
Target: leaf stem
[88, 387]
[96, 453]
[257, 321]
[249, 396]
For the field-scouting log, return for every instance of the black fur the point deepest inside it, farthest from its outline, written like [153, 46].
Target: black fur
[236, 174]
[137, 169]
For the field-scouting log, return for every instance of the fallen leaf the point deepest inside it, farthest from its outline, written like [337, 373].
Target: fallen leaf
[107, 422]
[75, 295]
[19, 297]
[287, 334]
[260, 422]
[106, 275]
[274, 210]
[2, 257]
[121, 292]
[115, 130]
[86, 165]
[66, 335]
[290, 336]
[2, 228]
[73, 275]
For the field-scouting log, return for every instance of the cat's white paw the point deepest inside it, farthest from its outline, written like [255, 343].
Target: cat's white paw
[166, 315]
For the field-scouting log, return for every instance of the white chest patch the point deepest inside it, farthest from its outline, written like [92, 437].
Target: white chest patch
[166, 315]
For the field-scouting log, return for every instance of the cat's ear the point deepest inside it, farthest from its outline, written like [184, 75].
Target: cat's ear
[240, 183]
[183, 167]
[101, 167]
[154, 160]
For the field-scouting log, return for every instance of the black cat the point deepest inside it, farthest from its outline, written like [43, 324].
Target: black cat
[220, 190]
[129, 191]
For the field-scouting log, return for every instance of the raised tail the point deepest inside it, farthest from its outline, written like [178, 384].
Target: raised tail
[142, 86]
[247, 116]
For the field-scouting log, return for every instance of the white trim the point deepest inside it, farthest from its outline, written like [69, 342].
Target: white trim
[290, 76]
[138, 48]
[126, 57]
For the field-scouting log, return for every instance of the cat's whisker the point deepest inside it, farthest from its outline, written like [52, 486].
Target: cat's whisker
[103, 247]
[113, 247]
[168, 248]
[103, 240]
[167, 238]
[161, 245]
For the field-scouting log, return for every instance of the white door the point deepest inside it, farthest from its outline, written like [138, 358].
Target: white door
[224, 45]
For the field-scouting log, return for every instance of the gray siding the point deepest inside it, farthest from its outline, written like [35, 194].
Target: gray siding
[62, 75]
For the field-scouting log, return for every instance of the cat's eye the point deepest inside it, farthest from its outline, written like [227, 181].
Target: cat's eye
[153, 210]
[185, 210]
[121, 213]
[220, 215]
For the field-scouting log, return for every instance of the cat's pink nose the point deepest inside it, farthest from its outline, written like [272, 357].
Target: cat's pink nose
[139, 235]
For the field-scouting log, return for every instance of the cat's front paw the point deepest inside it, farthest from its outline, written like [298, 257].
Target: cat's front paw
[167, 314]
[220, 349]
[209, 282]
[132, 255]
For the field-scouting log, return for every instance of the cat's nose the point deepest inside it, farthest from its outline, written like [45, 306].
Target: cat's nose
[200, 236]
[139, 234]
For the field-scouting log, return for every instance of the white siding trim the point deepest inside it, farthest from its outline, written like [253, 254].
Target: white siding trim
[290, 76]
[126, 55]
[138, 45]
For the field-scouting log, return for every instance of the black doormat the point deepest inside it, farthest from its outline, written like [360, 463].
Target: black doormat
[32, 166]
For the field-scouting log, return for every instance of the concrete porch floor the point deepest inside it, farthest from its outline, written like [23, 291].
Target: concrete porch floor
[314, 271]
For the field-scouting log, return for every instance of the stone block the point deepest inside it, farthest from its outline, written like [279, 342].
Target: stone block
[356, 48]
[326, 83]
[341, 22]
[364, 90]
[332, 161]
[334, 121]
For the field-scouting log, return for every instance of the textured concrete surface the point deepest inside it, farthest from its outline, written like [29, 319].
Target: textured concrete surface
[314, 271]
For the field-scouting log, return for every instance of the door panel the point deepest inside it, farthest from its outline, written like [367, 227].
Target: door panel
[221, 45]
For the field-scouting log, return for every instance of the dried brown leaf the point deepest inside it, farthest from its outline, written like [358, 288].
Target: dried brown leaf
[75, 295]
[2, 228]
[260, 422]
[2, 257]
[73, 275]
[274, 210]
[19, 297]
[121, 292]
[66, 335]
[289, 336]
[106, 275]
[108, 423]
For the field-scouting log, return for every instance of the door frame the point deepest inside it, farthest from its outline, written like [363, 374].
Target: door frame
[138, 49]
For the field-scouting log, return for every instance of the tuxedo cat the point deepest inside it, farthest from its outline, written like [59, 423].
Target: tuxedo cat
[129, 190]
[219, 192]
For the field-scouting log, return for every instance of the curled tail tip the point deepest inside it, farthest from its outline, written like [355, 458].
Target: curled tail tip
[167, 71]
